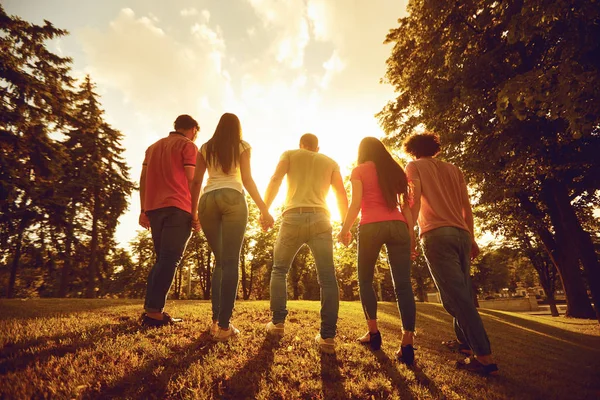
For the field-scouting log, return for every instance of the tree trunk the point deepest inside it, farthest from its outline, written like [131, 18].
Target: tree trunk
[90, 292]
[568, 235]
[10, 291]
[566, 262]
[244, 274]
[65, 275]
[579, 238]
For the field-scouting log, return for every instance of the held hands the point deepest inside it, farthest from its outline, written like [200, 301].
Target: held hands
[266, 221]
[344, 238]
[196, 223]
[414, 250]
[144, 221]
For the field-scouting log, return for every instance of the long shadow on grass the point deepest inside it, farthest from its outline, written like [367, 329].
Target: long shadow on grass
[575, 337]
[331, 377]
[18, 356]
[389, 368]
[245, 383]
[145, 383]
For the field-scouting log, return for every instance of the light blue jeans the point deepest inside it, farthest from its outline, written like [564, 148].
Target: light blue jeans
[448, 254]
[314, 230]
[223, 214]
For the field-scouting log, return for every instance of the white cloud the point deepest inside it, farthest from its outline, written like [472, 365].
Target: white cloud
[287, 21]
[188, 12]
[332, 67]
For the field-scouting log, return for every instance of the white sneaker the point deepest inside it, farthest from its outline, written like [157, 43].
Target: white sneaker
[223, 335]
[325, 345]
[214, 327]
[275, 329]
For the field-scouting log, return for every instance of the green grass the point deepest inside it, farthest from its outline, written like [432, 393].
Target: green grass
[96, 349]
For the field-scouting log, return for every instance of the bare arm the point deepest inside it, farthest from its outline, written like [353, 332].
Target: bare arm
[340, 192]
[195, 186]
[250, 186]
[143, 219]
[410, 222]
[354, 209]
[275, 182]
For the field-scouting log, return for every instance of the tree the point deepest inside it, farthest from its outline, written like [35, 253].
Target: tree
[96, 150]
[513, 91]
[35, 94]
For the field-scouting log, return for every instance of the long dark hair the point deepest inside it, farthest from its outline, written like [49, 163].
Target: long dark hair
[392, 178]
[223, 148]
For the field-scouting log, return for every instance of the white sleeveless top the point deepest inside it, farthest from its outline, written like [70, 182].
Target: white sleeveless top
[217, 179]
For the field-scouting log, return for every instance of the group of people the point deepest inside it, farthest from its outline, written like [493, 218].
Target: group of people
[389, 199]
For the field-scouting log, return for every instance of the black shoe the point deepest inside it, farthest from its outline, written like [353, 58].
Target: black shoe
[473, 365]
[372, 339]
[459, 347]
[166, 320]
[406, 354]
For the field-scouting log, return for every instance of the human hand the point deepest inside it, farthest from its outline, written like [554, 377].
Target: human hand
[144, 221]
[196, 223]
[414, 250]
[266, 221]
[474, 250]
[344, 238]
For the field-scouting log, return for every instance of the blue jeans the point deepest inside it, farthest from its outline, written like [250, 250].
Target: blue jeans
[394, 234]
[448, 254]
[171, 228]
[313, 229]
[223, 214]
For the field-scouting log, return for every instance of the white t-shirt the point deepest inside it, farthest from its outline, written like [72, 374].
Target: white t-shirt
[217, 179]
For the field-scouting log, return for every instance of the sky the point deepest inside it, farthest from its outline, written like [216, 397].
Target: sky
[285, 67]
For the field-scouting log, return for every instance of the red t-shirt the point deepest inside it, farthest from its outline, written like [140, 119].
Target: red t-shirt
[373, 207]
[166, 183]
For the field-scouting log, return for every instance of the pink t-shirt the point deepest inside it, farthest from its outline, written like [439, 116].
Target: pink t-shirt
[373, 207]
[443, 189]
[166, 182]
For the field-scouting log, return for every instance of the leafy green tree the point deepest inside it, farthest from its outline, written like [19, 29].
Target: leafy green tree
[512, 90]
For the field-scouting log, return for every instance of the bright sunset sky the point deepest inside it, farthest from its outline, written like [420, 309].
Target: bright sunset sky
[284, 67]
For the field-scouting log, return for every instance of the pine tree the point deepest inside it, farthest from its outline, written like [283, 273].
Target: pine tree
[35, 100]
[100, 184]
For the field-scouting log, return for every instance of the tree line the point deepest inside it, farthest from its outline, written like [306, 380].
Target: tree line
[63, 181]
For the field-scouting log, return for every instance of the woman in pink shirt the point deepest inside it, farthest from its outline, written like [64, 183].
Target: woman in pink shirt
[380, 194]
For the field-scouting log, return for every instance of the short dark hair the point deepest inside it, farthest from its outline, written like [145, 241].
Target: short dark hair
[184, 121]
[422, 145]
[309, 141]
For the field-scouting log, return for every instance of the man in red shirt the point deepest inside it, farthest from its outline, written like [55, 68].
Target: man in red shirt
[168, 211]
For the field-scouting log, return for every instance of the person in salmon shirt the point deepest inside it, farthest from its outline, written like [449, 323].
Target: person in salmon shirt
[443, 211]
[380, 194]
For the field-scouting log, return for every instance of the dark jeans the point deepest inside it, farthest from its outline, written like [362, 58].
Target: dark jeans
[314, 230]
[394, 234]
[171, 228]
[223, 214]
[448, 254]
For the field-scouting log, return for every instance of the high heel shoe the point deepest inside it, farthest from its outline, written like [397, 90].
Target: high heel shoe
[406, 354]
[372, 339]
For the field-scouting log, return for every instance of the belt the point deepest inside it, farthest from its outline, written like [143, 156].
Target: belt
[301, 210]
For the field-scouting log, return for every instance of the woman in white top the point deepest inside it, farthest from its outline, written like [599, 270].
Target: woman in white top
[223, 214]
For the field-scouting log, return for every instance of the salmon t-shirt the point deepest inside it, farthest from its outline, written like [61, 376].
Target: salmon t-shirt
[166, 182]
[373, 207]
[443, 189]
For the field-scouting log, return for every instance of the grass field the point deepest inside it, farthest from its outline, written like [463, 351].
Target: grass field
[96, 349]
